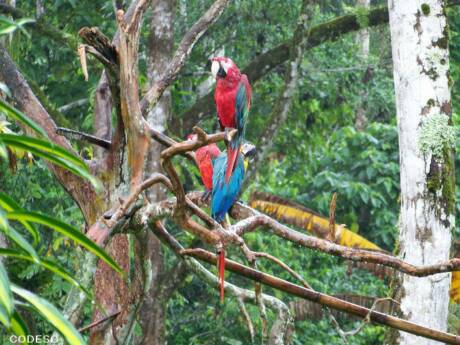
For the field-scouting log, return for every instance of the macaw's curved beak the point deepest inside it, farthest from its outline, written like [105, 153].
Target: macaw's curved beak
[221, 72]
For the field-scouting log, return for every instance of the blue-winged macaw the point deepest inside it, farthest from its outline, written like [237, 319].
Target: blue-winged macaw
[233, 101]
[225, 194]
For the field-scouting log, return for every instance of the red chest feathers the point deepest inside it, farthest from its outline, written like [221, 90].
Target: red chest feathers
[225, 102]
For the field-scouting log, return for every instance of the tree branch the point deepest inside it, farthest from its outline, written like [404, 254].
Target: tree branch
[282, 326]
[326, 300]
[182, 53]
[80, 136]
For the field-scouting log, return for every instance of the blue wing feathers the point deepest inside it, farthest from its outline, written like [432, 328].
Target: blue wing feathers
[224, 195]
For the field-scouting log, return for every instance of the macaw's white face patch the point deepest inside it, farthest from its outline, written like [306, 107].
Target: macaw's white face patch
[226, 64]
[215, 68]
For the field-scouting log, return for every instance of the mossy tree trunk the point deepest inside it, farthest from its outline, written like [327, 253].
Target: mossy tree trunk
[421, 76]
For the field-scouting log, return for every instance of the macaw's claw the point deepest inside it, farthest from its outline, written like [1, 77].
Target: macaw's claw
[229, 134]
[206, 195]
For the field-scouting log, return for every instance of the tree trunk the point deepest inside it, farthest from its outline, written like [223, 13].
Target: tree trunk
[363, 41]
[160, 45]
[426, 139]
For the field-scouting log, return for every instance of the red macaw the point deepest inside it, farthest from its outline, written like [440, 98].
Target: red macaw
[204, 157]
[233, 101]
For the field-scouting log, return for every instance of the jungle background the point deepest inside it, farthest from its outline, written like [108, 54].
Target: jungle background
[319, 149]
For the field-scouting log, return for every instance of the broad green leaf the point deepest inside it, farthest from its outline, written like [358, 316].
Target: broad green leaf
[22, 242]
[4, 88]
[9, 205]
[3, 151]
[44, 145]
[66, 230]
[51, 152]
[18, 326]
[50, 266]
[52, 315]
[6, 297]
[19, 116]
[4, 317]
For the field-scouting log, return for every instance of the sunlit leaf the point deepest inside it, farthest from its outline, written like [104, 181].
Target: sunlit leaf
[50, 266]
[51, 152]
[19, 116]
[52, 315]
[22, 242]
[66, 230]
[4, 317]
[6, 297]
[9, 205]
[18, 326]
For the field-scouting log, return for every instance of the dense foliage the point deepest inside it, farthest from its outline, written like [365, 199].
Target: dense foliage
[318, 150]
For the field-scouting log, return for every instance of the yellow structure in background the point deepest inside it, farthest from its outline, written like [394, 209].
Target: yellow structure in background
[302, 217]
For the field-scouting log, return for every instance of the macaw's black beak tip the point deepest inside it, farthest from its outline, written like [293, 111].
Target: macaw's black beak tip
[221, 73]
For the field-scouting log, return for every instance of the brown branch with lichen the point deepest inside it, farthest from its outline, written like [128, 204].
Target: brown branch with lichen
[327, 300]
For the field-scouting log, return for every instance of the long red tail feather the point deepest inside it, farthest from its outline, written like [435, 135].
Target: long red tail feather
[232, 155]
[221, 264]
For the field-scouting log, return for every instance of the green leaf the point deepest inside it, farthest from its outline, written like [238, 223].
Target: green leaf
[50, 266]
[6, 297]
[18, 326]
[5, 89]
[19, 116]
[22, 242]
[44, 145]
[4, 318]
[51, 152]
[8, 204]
[66, 230]
[52, 315]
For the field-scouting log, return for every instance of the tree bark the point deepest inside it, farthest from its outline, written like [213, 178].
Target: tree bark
[363, 41]
[160, 48]
[421, 77]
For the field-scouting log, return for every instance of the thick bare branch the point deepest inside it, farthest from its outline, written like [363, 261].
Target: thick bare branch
[257, 219]
[80, 136]
[327, 300]
[282, 326]
[182, 53]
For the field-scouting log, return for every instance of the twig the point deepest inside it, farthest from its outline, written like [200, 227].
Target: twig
[364, 323]
[182, 53]
[80, 136]
[283, 266]
[247, 318]
[332, 205]
[105, 225]
[95, 323]
[74, 104]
